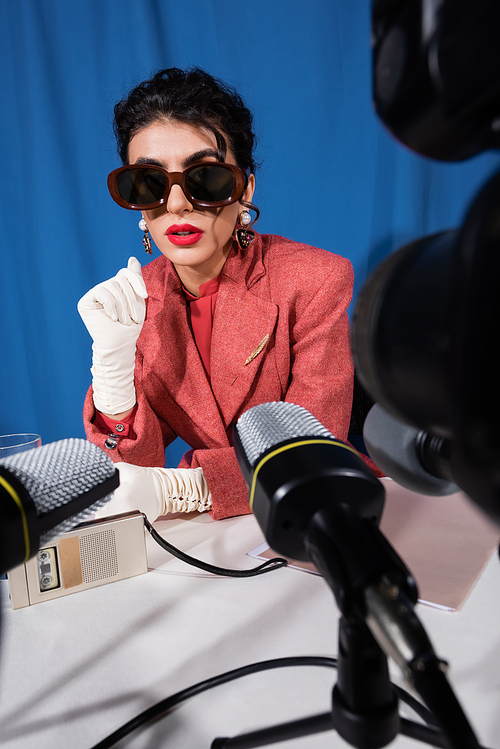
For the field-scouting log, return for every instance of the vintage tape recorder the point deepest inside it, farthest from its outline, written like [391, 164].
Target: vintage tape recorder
[92, 554]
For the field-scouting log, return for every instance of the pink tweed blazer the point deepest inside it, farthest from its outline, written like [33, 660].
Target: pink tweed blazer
[280, 332]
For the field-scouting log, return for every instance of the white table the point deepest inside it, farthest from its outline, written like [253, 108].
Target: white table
[76, 668]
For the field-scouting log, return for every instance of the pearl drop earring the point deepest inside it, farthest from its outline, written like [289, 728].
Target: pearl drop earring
[242, 235]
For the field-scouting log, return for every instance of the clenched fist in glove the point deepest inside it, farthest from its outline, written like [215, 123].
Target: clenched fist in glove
[156, 491]
[113, 313]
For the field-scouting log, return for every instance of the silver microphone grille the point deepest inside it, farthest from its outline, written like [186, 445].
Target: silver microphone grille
[55, 474]
[266, 425]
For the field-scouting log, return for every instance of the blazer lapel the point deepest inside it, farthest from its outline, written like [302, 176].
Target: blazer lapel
[243, 326]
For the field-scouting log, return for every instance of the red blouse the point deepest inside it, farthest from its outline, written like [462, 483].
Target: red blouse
[201, 310]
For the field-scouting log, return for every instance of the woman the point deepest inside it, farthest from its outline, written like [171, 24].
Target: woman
[223, 320]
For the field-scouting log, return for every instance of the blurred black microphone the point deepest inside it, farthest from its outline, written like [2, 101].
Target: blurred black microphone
[415, 458]
[293, 466]
[47, 491]
[424, 337]
[436, 74]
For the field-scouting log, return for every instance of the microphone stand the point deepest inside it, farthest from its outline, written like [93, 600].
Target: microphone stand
[376, 595]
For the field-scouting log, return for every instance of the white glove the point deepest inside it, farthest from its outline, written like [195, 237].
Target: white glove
[113, 313]
[156, 491]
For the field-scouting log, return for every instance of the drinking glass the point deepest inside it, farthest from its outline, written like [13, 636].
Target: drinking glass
[10, 444]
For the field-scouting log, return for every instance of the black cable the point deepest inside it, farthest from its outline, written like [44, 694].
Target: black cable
[269, 566]
[161, 707]
[408, 728]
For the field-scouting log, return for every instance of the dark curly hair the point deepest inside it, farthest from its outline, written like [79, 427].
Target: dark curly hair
[190, 96]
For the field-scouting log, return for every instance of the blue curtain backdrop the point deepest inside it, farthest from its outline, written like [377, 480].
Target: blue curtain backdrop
[330, 175]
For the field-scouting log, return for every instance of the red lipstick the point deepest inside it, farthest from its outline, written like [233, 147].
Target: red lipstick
[184, 234]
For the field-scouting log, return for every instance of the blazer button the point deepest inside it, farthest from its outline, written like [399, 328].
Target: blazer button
[111, 443]
[119, 427]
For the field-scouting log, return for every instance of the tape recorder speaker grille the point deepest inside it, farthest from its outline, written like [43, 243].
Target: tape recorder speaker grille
[98, 556]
